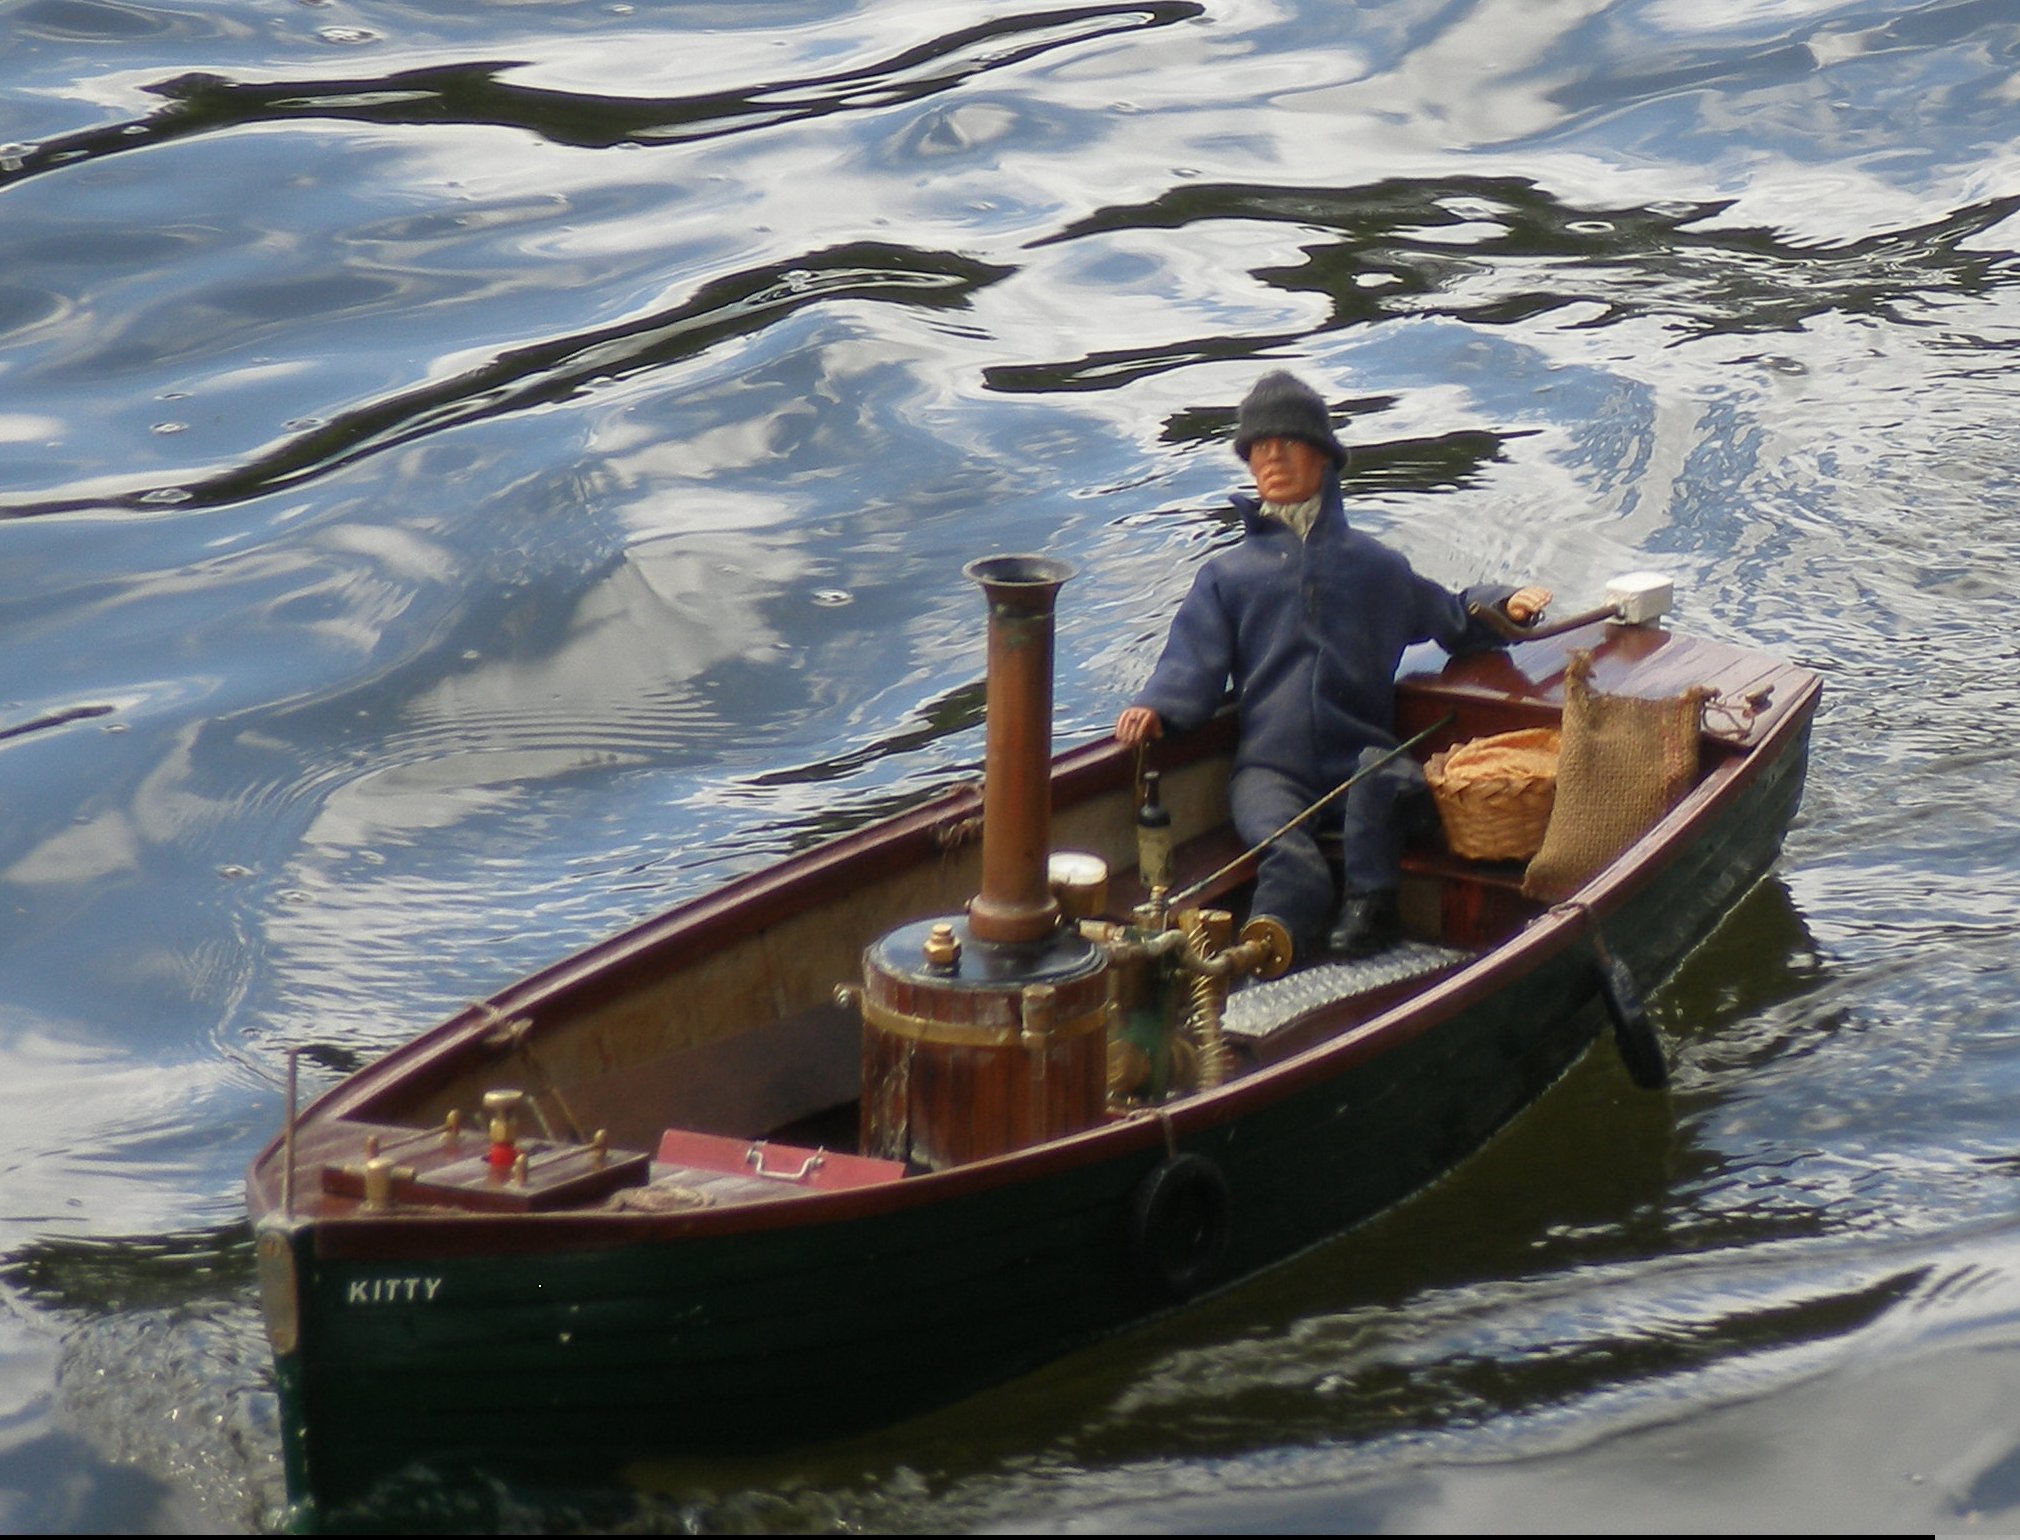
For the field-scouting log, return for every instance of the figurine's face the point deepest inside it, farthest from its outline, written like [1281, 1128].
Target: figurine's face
[1286, 470]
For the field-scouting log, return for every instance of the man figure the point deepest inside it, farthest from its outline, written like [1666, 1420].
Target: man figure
[1310, 618]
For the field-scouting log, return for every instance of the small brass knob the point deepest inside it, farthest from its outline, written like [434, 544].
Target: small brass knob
[943, 947]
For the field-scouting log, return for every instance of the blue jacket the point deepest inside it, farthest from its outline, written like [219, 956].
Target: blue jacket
[1310, 631]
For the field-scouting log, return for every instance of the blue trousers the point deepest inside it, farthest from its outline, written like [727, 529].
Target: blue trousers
[1294, 881]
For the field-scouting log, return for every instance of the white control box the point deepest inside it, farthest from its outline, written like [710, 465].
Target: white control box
[1640, 598]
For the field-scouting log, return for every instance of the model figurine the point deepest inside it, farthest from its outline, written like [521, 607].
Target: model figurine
[1309, 618]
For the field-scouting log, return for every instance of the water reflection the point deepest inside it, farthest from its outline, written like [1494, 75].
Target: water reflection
[526, 378]
[105, 1274]
[449, 431]
[57, 1483]
[478, 95]
[1503, 251]
[102, 21]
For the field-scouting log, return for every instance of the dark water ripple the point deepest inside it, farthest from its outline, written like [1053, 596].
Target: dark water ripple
[546, 373]
[477, 475]
[476, 95]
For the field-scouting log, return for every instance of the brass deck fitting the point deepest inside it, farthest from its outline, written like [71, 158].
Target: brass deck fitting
[501, 1108]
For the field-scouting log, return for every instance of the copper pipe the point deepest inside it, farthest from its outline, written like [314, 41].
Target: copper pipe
[1016, 902]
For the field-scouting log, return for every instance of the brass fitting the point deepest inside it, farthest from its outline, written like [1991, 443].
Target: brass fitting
[378, 1183]
[501, 1109]
[942, 948]
[1038, 1007]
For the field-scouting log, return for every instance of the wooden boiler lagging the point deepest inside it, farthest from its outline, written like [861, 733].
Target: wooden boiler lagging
[985, 1032]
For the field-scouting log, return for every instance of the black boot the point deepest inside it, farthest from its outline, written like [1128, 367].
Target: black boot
[1368, 924]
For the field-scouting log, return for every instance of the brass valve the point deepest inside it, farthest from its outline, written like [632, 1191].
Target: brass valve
[501, 1110]
[1169, 990]
[1264, 949]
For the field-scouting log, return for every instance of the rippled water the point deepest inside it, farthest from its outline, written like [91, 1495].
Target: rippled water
[470, 480]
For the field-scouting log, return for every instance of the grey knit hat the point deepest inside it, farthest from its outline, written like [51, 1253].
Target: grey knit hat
[1281, 405]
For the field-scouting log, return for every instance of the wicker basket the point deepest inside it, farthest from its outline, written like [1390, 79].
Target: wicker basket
[1494, 794]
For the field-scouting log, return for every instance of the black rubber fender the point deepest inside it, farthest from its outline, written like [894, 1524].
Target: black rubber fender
[1633, 1033]
[1181, 1218]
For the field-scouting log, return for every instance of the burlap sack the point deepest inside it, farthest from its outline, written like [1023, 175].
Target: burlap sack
[1624, 762]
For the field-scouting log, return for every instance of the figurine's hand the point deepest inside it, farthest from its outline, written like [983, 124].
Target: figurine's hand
[1138, 725]
[1525, 604]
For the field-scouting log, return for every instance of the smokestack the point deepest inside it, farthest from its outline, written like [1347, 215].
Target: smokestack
[1016, 902]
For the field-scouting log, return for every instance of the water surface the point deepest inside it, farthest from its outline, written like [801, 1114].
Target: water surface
[468, 481]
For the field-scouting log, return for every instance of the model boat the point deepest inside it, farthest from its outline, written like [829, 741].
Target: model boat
[920, 1109]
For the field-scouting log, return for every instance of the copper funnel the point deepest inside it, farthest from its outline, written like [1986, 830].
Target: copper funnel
[1016, 902]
